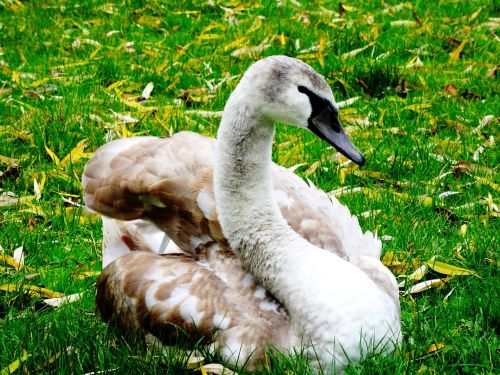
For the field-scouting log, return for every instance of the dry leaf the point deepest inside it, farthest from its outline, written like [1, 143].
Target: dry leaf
[149, 20]
[429, 284]
[451, 90]
[15, 365]
[125, 118]
[53, 156]
[86, 274]
[419, 273]
[356, 51]
[408, 23]
[456, 53]
[482, 123]
[19, 255]
[59, 301]
[75, 154]
[195, 361]
[31, 289]
[435, 347]
[217, 369]
[146, 93]
[10, 261]
[448, 269]
[251, 50]
[8, 198]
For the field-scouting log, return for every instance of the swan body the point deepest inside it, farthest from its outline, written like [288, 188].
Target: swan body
[258, 258]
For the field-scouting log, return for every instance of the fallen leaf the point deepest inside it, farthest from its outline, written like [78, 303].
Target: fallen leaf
[8, 198]
[251, 50]
[217, 369]
[125, 118]
[195, 361]
[408, 23]
[348, 102]
[448, 269]
[31, 289]
[356, 51]
[482, 123]
[146, 93]
[75, 154]
[451, 90]
[15, 365]
[52, 155]
[10, 261]
[149, 21]
[435, 347]
[429, 284]
[456, 53]
[59, 301]
[19, 255]
[419, 273]
[86, 274]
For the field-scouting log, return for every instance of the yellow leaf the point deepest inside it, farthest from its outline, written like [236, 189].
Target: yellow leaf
[31, 289]
[10, 261]
[448, 269]
[115, 85]
[312, 168]
[141, 108]
[282, 39]
[435, 347]
[39, 82]
[15, 76]
[418, 107]
[456, 54]
[86, 274]
[250, 50]
[429, 284]
[75, 154]
[486, 181]
[14, 365]
[53, 156]
[235, 43]
[419, 273]
[356, 51]
[149, 20]
[474, 15]
[9, 162]
[209, 36]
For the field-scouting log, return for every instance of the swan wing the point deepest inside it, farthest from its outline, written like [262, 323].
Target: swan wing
[179, 299]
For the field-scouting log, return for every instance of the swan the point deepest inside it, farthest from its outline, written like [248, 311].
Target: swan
[259, 259]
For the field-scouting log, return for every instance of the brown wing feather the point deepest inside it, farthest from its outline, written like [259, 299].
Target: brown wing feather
[175, 297]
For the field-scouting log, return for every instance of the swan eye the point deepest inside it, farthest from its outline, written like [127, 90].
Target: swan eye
[317, 102]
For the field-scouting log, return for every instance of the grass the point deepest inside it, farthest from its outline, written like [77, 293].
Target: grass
[425, 80]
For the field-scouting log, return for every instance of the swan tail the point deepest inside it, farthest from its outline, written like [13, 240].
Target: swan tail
[122, 237]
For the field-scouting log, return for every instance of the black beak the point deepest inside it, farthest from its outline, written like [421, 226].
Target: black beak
[328, 127]
[324, 122]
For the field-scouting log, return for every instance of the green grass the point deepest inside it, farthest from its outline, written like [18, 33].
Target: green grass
[55, 92]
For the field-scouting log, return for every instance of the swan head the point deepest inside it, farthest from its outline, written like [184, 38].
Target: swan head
[288, 90]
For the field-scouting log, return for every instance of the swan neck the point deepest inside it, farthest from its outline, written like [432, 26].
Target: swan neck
[243, 181]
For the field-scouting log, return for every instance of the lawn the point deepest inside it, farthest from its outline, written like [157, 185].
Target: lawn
[420, 92]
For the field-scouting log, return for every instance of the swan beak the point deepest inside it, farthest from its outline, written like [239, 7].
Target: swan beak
[328, 127]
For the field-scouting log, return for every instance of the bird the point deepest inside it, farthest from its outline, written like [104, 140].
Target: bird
[208, 237]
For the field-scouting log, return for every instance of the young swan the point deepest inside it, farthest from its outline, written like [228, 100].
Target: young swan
[336, 306]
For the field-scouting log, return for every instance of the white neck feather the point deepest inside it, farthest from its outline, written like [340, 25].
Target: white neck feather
[248, 213]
